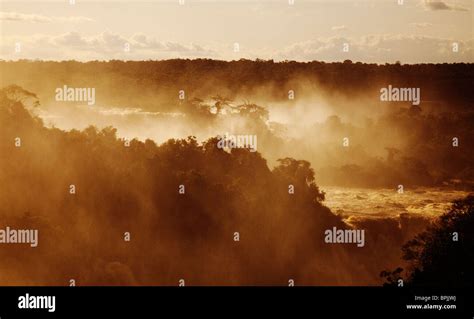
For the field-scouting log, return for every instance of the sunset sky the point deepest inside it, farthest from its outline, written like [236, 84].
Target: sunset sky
[377, 31]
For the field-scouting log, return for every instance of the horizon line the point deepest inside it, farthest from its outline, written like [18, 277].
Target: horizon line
[256, 60]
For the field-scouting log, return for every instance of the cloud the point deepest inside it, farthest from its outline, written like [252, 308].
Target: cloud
[339, 28]
[108, 46]
[380, 49]
[441, 5]
[36, 18]
[103, 46]
[421, 25]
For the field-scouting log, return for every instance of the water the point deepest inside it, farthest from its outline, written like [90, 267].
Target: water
[383, 203]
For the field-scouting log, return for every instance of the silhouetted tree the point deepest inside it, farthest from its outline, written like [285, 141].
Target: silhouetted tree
[443, 255]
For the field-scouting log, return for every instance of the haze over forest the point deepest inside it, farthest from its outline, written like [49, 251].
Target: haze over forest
[173, 112]
[391, 143]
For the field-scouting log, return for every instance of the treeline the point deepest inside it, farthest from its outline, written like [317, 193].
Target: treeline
[136, 81]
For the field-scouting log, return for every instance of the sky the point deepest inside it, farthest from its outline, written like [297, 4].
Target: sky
[372, 31]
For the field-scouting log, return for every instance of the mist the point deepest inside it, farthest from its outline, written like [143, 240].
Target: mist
[155, 126]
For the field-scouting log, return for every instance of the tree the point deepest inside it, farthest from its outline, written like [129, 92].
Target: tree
[18, 94]
[443, 255]
[299, 173]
